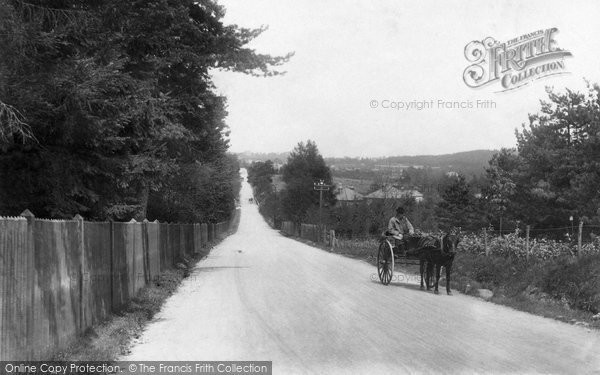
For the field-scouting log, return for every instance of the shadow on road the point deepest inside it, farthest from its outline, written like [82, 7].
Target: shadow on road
[218, 268]
[399, 284]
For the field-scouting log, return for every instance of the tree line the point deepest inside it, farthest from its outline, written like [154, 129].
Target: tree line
[108, 109]
[551, 176]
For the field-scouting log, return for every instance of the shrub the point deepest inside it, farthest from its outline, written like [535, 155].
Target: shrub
[514, 245]
[577, 281]
[490, 272]
[364, 247]
[511, 274]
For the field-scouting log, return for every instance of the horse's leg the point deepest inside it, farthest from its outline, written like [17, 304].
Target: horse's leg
[422, 269]
[438, 268]
[428, 275]
[448, 269]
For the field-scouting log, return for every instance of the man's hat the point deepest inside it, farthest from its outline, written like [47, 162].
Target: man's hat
[400, 210]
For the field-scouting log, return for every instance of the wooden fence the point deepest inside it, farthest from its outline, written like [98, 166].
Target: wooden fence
[290, 228]
[309, 232]
[60, 277]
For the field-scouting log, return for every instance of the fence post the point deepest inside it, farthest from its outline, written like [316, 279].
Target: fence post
[168, 249]
[485, 242]
[146, 250]
[579, 235]
[198, 246]
[204, 234]
[112, 265]
[332, 238]
[30, 282]
[181, 242]
[131, 229]
[81, 242]
[527, 240]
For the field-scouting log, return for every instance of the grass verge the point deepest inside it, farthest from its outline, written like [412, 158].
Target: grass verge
[566, 288]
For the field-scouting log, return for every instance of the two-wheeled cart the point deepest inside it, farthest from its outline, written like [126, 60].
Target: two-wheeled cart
[389, 255]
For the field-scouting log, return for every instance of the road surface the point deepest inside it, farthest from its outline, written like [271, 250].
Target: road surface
[262, 296]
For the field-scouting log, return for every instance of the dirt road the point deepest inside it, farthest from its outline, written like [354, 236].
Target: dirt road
[261, 296]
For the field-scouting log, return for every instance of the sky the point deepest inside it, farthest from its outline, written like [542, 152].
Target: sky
[355, 58]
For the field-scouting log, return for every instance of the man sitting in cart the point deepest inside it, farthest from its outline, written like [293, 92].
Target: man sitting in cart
[399, 226]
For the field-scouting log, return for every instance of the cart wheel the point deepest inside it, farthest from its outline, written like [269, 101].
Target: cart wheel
[385, 262]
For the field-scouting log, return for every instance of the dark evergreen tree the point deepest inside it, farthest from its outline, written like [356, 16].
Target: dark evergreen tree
[555, 171]
[106, 104]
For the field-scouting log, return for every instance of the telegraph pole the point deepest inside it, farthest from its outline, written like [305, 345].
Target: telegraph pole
[571, 220]
[320, 187]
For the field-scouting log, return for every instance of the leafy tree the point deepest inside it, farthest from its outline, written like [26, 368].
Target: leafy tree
[458, 206]
[501, 188]
[198, 193]
[304, 167]
[260, 177]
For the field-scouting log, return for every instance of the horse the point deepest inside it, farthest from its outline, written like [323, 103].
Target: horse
[432, 251]
[442, 256]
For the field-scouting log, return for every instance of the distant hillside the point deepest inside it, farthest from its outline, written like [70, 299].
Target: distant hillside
[260, 156]
[467, 162]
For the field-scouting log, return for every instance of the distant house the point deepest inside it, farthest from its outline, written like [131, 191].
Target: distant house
[392, 192]
[347, 195]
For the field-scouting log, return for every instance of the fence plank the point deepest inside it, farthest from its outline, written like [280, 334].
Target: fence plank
[120, 263]
[197, 239]
[84, 287]
[138, 268]
[3, 288]
[204, 234]
[165, 260]
[211, 232]
[174, 244]
[190, 250]
[15, 287]
[98, 271]
[153, 233]
[58, 284]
